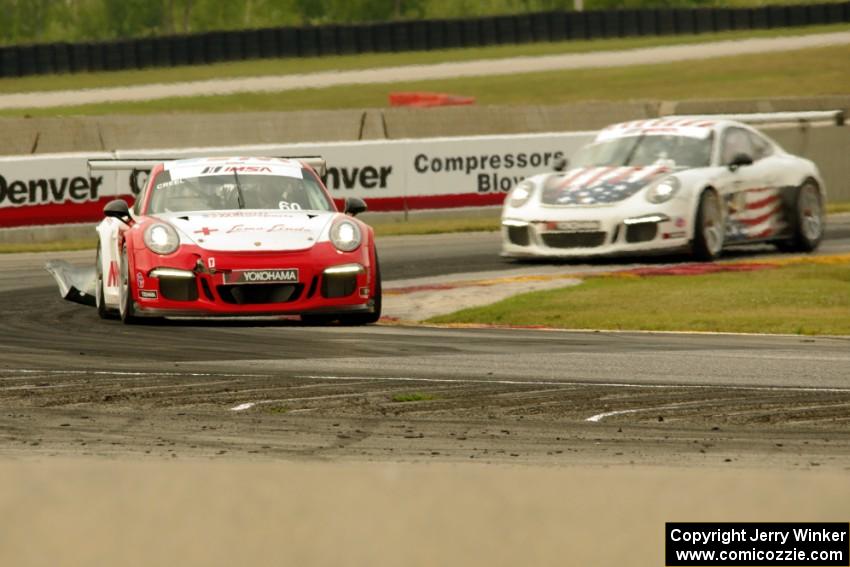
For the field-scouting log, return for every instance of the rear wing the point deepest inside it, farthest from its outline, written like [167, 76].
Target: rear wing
[810, 117]
[318, 163]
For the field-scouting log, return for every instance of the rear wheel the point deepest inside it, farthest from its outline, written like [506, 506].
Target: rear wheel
[126, 307]
[708, 230]
[103, 311]
[806, 220]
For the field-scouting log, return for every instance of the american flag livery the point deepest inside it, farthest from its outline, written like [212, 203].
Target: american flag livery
[754, 214]
[599, 185]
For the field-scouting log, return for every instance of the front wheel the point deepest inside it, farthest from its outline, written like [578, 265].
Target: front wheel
[708, 229]
[318, 318]
[126, 307]
[806, 219]
[375, 315]
[353, 318]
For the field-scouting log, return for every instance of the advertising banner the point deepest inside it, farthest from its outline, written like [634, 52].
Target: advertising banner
[390, 175]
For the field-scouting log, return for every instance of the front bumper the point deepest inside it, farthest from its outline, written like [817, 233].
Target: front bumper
[198, 283]
[594, 231]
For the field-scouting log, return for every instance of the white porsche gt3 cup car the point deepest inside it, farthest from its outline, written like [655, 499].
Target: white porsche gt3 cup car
[666, 185]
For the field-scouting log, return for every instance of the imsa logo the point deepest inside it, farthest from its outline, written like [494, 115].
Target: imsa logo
[263, 276]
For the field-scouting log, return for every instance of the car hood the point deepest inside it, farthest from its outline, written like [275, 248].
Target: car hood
[600, 185]
[246, 230]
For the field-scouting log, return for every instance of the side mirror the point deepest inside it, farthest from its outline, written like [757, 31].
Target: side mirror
[740, 160]
[354, 206]
[560, 164]
[117, 209]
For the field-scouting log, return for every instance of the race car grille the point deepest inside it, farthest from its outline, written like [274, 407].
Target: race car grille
[178, 289]
[573, 239]
[518, 235]
[338, 285]
[207, 291]
[313, 285]
[247, 294]
[643, 232]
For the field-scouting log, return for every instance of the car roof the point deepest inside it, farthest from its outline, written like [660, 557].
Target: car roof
[691, 126]
[247, 161]
[213, 166]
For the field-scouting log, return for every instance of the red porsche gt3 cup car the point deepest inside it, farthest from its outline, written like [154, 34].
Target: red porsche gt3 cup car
[235, 237]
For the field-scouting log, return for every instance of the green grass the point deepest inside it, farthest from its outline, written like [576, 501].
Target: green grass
[413, 397]
[382, 229]
[834, 208]
[436, 226]
[368, 61]
[802, 299]
[807, 72]
[54, 246]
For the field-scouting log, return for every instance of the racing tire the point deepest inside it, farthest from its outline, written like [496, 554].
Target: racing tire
[806, 219]
[103, 311]
[375, 315]
[318, 318]
[354, 319]
[708, 228]
[126, 308]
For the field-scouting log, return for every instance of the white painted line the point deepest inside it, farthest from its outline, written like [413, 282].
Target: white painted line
[7, 373]
[600, 416]
[37, 387]
[286, 388]
[248, 405]
[481, 326]
[586, 384]
[181, 385]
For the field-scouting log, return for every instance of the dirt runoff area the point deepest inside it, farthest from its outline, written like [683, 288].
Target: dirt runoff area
[183, 414]
[134, 513]
[115, 470]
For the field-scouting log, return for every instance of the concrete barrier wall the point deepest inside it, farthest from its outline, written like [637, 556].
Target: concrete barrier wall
[108, 133]
[828, 147]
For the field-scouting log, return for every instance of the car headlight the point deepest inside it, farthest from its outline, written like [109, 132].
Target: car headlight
[520, 194]
[663, 190]
[161, 238]
[345, 235]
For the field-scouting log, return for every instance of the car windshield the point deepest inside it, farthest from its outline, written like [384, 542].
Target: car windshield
[643, 150]
[237, 191]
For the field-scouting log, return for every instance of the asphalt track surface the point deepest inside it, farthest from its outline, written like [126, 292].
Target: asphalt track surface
[71, 384]
[509, 66]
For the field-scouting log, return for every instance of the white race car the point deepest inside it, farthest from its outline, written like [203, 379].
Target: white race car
[666, 185]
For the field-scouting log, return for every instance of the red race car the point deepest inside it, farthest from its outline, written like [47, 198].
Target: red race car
[237, 236]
